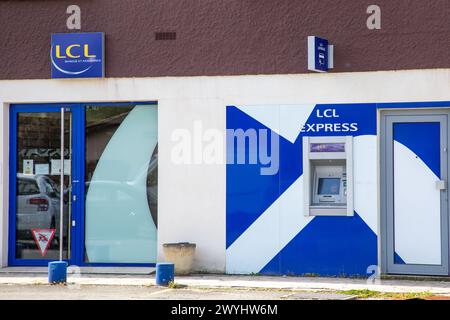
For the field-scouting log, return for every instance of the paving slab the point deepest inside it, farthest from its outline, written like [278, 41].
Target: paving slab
[317, 283]
[319, 296]
[60, 292]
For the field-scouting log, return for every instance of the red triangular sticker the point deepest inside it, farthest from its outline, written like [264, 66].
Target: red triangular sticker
[43, 238]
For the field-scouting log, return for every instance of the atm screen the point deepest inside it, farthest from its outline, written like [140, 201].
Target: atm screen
[329, 186]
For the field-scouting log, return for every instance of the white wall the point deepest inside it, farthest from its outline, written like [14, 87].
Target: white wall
[192, 197]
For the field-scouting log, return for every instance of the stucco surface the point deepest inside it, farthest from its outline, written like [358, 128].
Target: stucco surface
[229, 37]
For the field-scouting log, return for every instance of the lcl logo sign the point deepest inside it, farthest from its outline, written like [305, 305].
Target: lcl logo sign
[77, 55]
[71, 54]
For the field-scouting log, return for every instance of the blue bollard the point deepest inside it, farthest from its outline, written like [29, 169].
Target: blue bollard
[57, 272]
[164, 273]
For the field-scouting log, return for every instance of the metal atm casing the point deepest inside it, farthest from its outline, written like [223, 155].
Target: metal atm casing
[328, 158]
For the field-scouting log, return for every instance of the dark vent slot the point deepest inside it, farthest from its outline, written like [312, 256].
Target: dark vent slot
[165, 35]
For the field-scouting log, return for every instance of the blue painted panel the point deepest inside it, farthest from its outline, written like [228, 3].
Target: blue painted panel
[345, 120]
[422, 138]
[329, 246]
[333, 238]
[413, 105]
[291, 164]
[398, 259]
[249, 193]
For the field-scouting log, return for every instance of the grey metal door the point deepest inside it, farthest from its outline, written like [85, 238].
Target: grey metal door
[414, 193]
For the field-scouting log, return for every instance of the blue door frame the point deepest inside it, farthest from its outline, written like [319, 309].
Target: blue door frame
[77, 244]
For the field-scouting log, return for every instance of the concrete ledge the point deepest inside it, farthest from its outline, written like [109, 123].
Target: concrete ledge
[414, 277]
[83, 270]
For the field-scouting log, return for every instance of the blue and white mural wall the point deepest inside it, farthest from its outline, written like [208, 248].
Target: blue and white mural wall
[266, 229]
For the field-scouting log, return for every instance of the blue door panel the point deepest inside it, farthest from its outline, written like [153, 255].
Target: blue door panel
[422, 138]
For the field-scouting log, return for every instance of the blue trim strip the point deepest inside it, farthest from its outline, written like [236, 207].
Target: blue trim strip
[72, 104]
[12, 191]
[80, 218]
[41, 262]
[431, 104]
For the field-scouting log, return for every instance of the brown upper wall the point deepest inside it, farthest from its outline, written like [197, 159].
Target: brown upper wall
[229, 37]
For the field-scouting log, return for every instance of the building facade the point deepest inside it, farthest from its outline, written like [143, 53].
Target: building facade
[206, 126]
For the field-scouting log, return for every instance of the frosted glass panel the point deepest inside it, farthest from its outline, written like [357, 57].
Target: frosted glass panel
[121, 184]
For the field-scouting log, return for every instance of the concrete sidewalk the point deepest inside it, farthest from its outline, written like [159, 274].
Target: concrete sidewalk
[229, 281]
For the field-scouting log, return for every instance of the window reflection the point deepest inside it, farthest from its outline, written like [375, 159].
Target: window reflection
[121, 183]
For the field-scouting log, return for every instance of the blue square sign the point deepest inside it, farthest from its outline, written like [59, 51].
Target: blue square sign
[78, 55]
[318, 54]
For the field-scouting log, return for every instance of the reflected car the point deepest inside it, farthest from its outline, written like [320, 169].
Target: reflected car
[37, 204]
[124, 197]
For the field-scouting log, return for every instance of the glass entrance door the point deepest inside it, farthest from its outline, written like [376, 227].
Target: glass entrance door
[415, 202]
[36, 190]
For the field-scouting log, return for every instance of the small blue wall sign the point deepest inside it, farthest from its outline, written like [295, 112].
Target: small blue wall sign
[78, 55]
[320, 54]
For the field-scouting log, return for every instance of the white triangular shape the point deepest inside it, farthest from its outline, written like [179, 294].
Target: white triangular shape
[286, 120]
[268, 115]
[293, 118]
[43, 239]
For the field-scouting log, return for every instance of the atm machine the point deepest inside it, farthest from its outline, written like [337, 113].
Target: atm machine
[328, 176]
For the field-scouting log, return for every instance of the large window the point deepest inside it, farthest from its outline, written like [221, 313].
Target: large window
[121, 184]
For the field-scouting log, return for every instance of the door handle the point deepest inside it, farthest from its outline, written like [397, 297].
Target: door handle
[441, 185]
